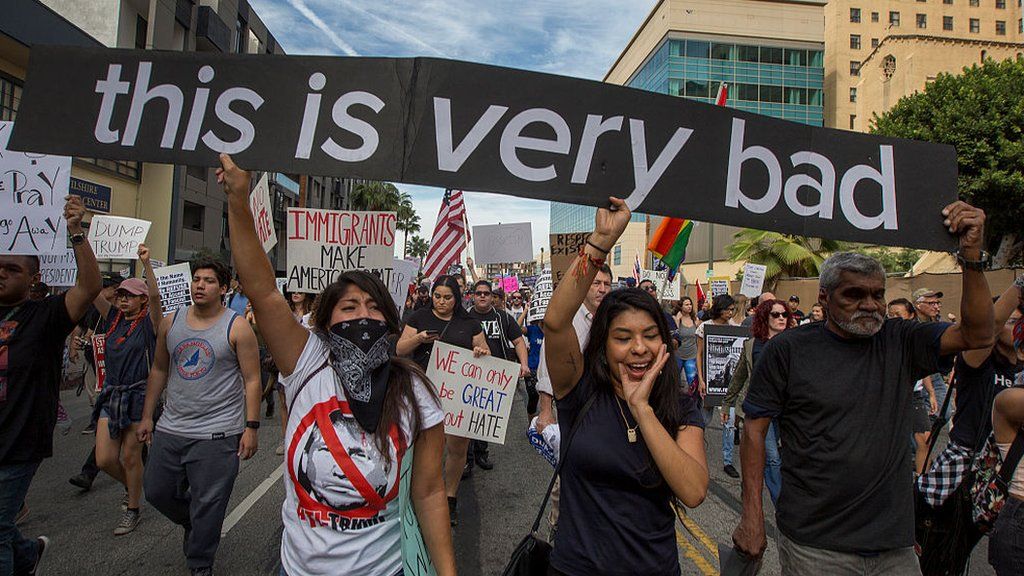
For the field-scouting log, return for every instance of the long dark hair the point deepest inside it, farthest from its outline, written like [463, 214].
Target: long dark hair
[452, 284]
[719, 304]
[665, 393]
[400, 396]
[693, 309]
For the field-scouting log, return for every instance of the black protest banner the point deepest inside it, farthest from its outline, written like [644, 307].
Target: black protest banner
[476, 127]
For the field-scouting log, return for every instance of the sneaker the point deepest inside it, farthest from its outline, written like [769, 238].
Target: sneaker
[90, 429]
[483, 460]
[201, 571]
[83, 481]
[730, 471]
[42, 545]
[453, 513]
[280, 449]
[129, 522]
[22, 514]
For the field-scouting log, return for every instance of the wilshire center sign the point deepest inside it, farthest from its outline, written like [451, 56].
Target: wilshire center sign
[476, 127]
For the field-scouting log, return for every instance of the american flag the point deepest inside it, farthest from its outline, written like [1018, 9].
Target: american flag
[450, 235]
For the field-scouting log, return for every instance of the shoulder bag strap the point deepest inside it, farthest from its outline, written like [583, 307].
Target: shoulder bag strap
[940, 421]
[1013, 456]
[558, 469]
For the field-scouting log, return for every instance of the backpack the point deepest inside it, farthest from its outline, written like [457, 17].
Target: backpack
[992, 480]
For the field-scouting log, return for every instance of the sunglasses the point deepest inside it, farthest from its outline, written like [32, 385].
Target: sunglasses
[778, 315]
[482, 293]
[125, 295]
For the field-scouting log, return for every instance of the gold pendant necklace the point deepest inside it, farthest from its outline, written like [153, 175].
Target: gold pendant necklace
[630, 432]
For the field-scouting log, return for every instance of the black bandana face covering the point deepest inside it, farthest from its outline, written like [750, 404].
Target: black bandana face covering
[362, 363]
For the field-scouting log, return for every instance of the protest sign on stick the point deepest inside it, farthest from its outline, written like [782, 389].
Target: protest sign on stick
[476, 393]
[262, 213]
[540, 299]
[564, 249]
[58, 269]
[667, 290]
[324, 243]
[397, 278]
[529, 134]
[502, 243]
[99, 354]
[753, 279]
[175, 283]
[117, 237]
[509, 284]
[32, 191]
[415, 557]
[718, 285]
[723, 345]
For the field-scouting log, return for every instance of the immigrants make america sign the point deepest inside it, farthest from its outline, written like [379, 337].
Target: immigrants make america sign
[470, 126]
[324, 243]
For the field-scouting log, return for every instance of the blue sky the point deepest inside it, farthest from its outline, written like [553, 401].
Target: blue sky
[578, 38]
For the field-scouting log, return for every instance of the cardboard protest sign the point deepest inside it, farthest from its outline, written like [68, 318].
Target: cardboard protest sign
[117, 237]
[718, 285]
[516, 132]
[282, 283]
[502, 243]
[541, 297]
[528, 281]
[509, 284]
[415, 557]
[262, 213]
[564, 249]
[324, 243]
[175, 283]
[666, 290]
[753, 279]
[58, 269]
[99, 354]
[32, 191]
[397, 278]
[476, 393]
[723, 345]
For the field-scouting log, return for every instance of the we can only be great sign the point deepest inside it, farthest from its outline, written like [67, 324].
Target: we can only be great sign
[475, 127]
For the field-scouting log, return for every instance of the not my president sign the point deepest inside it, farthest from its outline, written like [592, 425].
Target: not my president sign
[477, 127]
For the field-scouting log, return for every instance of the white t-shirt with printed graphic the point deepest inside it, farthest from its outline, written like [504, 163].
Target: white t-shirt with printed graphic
[332, 524]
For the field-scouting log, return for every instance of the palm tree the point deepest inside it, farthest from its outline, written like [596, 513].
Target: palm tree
[374, 195]
[785, 255]
[408, 220]
[417, 248]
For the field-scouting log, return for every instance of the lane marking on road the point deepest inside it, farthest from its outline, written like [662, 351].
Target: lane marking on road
[694, 529]
[251, 500]
[691, 552]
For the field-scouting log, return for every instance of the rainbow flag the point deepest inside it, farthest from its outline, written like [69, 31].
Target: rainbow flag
[670, 240]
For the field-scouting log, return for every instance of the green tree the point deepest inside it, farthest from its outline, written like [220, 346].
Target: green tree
[417, 248]
[981, 113]
[894, 260]
[374, 195]
[408, 220]
[784, 255]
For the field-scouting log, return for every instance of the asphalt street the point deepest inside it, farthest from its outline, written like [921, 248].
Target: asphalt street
[496, 508]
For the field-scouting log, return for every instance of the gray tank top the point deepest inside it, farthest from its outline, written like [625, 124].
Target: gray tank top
[688, 345]
[205, 391]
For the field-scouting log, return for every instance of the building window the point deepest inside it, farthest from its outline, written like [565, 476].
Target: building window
[10, 97]
[874, 16]
[853, 94]
[874, 42]
[974, 2]
[855, 15]
[1020, 25]
[922, 20]
[1000, 28]
[853, 121]
[947, 22]
[1001, 4]
[854, 68]
[855, 41]
[240, 35]
[125, 168]
[141, 30]
[950, 2]
[975, 25]
[617, 255]
[894, 19]
[192, 216]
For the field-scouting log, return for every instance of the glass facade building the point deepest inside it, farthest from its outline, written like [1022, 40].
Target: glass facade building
[567, 218]
[782, 82]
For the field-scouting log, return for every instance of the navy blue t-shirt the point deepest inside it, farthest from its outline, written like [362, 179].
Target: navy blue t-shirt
[128, 362]
[535, 335]
[615, 518]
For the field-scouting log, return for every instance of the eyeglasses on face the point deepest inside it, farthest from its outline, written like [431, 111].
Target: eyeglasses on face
[777, 315]
[125, 295]
[482, 293]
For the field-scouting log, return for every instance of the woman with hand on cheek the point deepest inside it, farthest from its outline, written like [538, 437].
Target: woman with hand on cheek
[640, 441]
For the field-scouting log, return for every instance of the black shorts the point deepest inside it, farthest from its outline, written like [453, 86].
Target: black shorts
[922, 421]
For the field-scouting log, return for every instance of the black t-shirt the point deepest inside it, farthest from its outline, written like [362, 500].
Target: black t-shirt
[976, 388]
[501, 330]
[31, 353]
[842, 407]
[458, 331]
[615, 518]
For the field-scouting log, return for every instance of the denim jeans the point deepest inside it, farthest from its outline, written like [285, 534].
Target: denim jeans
[728, 438]
[1006, 541]
[940, 391]
[17, 554]
[772, 462]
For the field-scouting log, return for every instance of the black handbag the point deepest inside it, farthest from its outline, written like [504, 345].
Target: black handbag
[531, 556]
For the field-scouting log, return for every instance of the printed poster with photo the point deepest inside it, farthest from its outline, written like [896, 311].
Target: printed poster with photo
[723, 346]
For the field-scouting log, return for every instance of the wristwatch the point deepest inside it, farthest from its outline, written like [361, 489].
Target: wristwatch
[254, 424]
[983, 262]
[77, 239]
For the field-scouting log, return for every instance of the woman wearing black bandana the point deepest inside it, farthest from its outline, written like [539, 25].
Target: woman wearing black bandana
[447, 321]
[355, 410]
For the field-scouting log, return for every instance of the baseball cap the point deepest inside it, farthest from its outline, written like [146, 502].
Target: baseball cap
[111, 279]
[925, 293]
[136, 286]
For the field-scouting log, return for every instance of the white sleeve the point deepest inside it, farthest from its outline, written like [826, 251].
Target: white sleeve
[543, 380]
[431, 413]
[699, 332]
[314, 353]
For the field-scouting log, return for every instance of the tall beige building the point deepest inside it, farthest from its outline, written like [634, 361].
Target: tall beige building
[877, 51]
